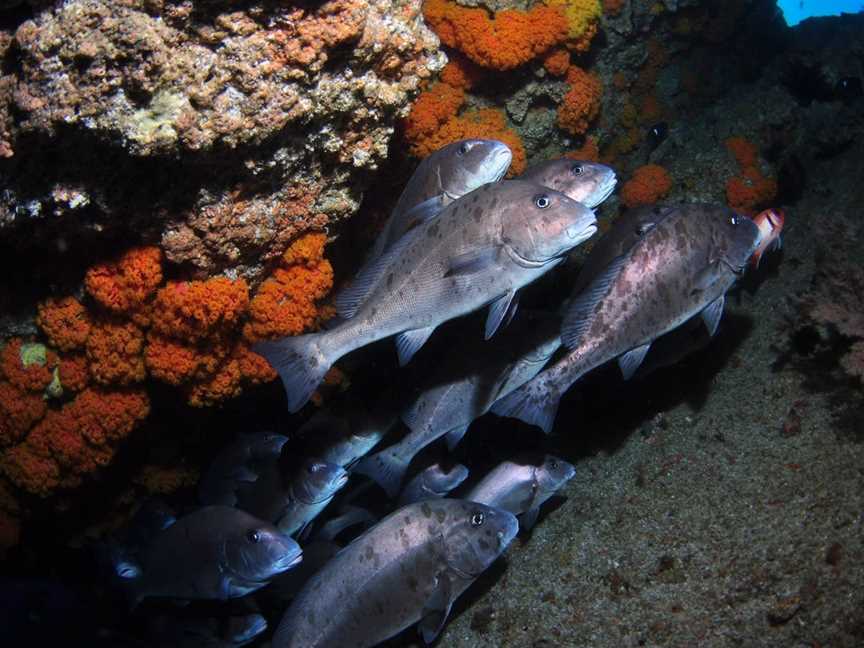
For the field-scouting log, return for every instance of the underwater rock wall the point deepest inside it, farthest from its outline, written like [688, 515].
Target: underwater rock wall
[219, 130]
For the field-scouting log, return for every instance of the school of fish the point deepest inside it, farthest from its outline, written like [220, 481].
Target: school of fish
[296, 525]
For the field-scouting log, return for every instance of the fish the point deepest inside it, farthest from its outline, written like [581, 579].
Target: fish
[291, 504]
[206, 632]
[770, 223]
[443, 176]
[479, 251]
[346, 436]
[122, 552]
[407, 569]
[467, 383]
[586, 182]
[318, 551]
[215, 552]
[681, 266]
[522, 487]
[239, 463]
[432, 483]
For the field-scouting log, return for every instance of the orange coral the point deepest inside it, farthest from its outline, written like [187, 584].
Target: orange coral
[588, 151]
[75, 440]
[74, 373]
[124, 285]
[285, 304]
[19, 411]
[557, 61]
[253, 367]
[751, 190]
[192, 310]
[487, 122]
[649, 184]
[612, 7]
[510, 39]
[224, 384]
[461, 73]
[744, 152]
[432, 109]
[114, 352]
[65, 323]
[581, 104]
[175, 362]
[27, 366]
[164, 480]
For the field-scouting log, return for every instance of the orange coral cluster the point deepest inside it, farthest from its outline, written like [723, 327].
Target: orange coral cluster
[557, 61]
[75, 440]
[509, 39]
[286, 303]
[189, 334]
[751, 190]
[649, 184]
[581, 104]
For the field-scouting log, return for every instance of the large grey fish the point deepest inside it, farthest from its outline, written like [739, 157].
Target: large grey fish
[216, 552]
[587, 182]
[522, 488]
[342, 437]
[239, 463]
[408, 568]
[432, 483]
[443, 176]
[480, 250]
[467, 383]
[681, 266]
[293, 503]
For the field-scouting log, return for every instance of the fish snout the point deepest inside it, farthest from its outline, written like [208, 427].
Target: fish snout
[508, 527]
[501, 158]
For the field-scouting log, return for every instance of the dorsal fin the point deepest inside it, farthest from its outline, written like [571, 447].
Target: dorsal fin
[577, 319]
[350, 298]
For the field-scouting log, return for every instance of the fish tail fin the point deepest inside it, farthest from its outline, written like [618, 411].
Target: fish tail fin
[301, 365]
[386, 468]
[530, 405]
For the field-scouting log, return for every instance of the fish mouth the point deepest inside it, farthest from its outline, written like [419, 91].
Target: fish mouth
[503, 157]
[341, 481]
[605, 191]
[289, 561]
[581, 235]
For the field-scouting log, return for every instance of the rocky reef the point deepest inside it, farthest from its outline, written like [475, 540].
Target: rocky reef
[180, 179]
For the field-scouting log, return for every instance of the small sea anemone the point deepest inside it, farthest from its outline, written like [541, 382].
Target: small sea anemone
[125, 285]
[64, 322]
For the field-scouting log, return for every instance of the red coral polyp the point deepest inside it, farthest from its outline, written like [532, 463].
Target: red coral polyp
[193, 310]
[649, 184]
[64, 322]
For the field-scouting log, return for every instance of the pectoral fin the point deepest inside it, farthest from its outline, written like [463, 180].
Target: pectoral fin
[630, 361]
[529, 518]
[474, 261]
[497, 312]
[454, 436]
[409, 342]
[712, 314]
[436, 610]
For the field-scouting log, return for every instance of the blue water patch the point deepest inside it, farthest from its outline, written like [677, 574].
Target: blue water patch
[797, 10]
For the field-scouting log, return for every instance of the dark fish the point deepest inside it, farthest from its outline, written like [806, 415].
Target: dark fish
[463, 388]
[586, 182]
[432, 483]
[479, 251]
[345, 436]
[682, 266]
[206, 632]
[293, 503]
[657, 133]
[522, 488]
[408, 568]
[216, 552]
[239, 463]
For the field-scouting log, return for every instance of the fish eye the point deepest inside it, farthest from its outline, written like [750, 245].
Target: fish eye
[464, 148]
[735, 220]
[576, 169]
[477, 519]
[542, 201]
[253, 536]
[642, 228]
[554, 465]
